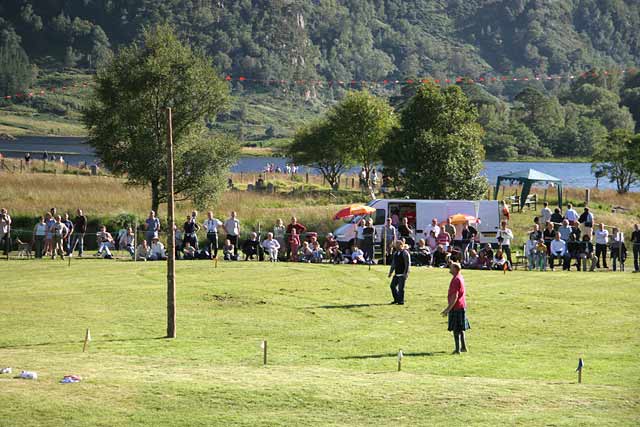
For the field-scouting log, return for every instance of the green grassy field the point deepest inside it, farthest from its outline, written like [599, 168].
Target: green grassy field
[332, 343]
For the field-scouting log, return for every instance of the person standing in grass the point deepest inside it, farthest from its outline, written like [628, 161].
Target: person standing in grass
[152, 227]
[232, 228]
[545, 213]
[211, 225]
[602, 240]
[5, 230]
[60, 232]
[39, 232]
[67, 240]
[400, 265]
[279, 232]
[635, 242]
[79, 230]
[300, 229]
[457, 309]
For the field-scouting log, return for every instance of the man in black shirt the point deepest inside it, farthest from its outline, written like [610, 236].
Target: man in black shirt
[190, 229]
[400, 263]
[252, 247]
[79, 230]
[635, 242]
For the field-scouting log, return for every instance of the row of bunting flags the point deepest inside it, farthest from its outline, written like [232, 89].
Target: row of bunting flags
[355, 83]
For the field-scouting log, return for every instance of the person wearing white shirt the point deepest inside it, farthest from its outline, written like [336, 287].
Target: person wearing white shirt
[545, 213]
[232, 228]
[157, 250]
[357, 256]
[504, 236]
[559, 251]
[602, 239]
[571, 215]
[271, 246]
[39, 232]
[211, 225]
[432, 227]
[530, 251]
[5, 230]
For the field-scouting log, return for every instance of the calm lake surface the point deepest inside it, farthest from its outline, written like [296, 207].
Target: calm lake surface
[75, 151]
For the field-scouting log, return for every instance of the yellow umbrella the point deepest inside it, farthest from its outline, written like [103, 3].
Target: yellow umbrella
[462, 218]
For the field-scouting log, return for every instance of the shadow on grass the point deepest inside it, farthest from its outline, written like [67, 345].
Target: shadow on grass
[383, 355]
[42, 344]
[348, 306]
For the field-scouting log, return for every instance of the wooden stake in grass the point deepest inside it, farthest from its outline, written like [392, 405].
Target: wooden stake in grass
[400, 357]
[87, 338]
[263, 346]
[171, 243]
[579, 370]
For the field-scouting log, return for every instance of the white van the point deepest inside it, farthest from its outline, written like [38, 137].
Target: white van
[421, 212]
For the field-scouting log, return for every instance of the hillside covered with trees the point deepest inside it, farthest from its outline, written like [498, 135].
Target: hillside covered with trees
[367, 40]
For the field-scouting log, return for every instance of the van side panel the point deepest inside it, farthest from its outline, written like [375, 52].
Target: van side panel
[489, 215]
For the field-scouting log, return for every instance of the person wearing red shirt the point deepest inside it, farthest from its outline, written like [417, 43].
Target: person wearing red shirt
[300, 229]
[456, 310]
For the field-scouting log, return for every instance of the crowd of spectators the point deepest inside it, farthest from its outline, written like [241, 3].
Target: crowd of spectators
[555, 239]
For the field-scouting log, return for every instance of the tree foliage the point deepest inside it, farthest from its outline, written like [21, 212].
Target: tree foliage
[618, 156]
[439, 146]
[315, 145]
[361, 124]
[127, 121]
[16, 73]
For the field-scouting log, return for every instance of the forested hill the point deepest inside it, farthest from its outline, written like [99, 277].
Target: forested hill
[342, 40]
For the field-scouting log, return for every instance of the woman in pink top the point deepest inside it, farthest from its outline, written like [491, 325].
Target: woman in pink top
[294, 244]
[444, 239]
[456, 310]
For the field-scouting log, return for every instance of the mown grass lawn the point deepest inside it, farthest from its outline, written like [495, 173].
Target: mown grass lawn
[332, 342]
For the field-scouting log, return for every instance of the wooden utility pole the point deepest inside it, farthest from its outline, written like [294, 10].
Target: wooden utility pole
[171, 240]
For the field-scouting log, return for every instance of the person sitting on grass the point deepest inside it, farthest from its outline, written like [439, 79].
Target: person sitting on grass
[586, 252]
[271, 247]
[294, 244]
[317, 252]
[357, 255]
[157, 250]
[105, 241]
[228, 251]
[143, 251]
[188, 251]
[440, 256]
[473, 260]
[559, 251]
[422, 254]
[432, 241]
[305, 253]
[127, 241]
[499, 262]
[332, 249]
[251, 247]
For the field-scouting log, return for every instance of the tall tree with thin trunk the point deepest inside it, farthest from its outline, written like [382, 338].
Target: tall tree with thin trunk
[362, 123]
[127, 122]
